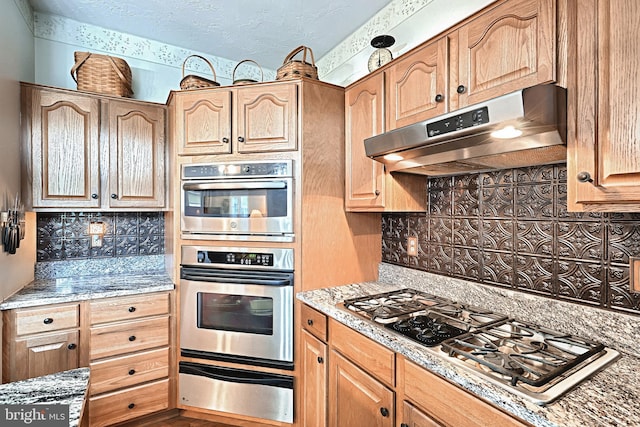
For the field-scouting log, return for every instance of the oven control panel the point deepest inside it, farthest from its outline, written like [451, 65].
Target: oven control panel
[237, 170]
[235, 258]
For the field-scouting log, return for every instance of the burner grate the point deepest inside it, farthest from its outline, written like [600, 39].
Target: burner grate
[390, 305]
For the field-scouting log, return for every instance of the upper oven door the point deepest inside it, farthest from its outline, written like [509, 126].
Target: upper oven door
[240, 207]
[237, 313]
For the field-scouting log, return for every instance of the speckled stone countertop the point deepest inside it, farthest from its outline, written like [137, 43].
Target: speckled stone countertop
[69, 289]
[67, 388]
[609, 398]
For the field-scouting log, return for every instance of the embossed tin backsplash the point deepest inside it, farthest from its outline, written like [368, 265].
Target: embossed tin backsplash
[511, 229]
[65, 236]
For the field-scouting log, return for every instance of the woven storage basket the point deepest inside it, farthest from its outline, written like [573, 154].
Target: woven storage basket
[102, 74]
[196, 82]
[293, 69]
[246, 81]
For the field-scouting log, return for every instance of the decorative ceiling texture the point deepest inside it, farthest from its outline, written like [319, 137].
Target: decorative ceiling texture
[260, 30]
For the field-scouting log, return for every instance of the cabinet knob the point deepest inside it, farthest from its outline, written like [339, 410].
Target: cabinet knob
[132, 371]
[439, 98]
[132, 309]
[309, 322]
[384, 412]
[377, 192]
[131, 405]
[225, 140]
[47, 321]
[72, 346]
[320, 359]
[114, 196]
[132, 338]
[240, 139]
[461, 89]
[404, 425]
[584, 177]
[94, 196]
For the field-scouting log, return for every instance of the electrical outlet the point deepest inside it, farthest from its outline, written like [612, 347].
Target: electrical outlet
[634, 275]
[412, 246]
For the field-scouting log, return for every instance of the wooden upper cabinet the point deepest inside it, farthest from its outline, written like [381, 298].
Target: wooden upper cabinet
[604, 151]
[507, 48]
[136, 157]
[266, 118]
[203, 122]
[62, 136]
[364, 110]
[416, 85]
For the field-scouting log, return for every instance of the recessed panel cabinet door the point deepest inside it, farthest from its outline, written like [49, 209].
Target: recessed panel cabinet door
[64, 149]
[416, 88]
[507, 48]
[364, 110]
[603, 167]
[45, 354]
[203, 122]
[413, 417]
[315, 374]
[266, 119]
[136, 158]
[356, 398]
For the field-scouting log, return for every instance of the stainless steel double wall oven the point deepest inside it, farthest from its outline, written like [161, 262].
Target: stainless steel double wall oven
[236, 300]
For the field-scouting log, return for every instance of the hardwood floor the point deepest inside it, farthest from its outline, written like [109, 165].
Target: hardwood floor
[188, 422]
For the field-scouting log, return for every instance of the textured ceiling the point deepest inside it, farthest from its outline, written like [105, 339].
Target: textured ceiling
[262, 30]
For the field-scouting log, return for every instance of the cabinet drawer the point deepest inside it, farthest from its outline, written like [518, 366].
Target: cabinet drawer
[127, 337]
[448, 403]
[314, 322]
[126, 371]
[371, 356]
[124, 308]
[36, 320]
[127, 404]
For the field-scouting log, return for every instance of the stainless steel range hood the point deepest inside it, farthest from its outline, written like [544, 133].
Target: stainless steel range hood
[466, 140]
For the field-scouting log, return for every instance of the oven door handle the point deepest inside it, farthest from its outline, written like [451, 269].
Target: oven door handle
[252, 281]
[234, 185]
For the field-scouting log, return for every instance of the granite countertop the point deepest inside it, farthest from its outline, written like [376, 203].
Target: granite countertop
[69, 289]
[67, 388]
[609, 398]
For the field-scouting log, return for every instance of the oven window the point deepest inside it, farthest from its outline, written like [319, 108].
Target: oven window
[241, 203]
[237, 313]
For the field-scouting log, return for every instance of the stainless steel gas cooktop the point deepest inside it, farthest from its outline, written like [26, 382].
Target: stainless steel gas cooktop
[533, 362]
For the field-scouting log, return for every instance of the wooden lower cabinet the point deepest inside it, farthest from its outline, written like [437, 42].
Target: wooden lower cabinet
[414, 417]
[356, 398]
[134, 402]
[45, 354]
[314, 390]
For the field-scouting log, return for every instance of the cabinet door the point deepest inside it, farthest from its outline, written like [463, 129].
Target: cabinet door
[605, 150]
[314, 371]
[45, 354]
[507, 48]
[64, 149]
[266, 118]
[203, 122]
[136, 137]
[416, 87]
[355, 398]
[413, 417]
[364, 112]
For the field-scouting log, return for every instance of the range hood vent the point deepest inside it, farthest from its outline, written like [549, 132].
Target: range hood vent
[523, 128]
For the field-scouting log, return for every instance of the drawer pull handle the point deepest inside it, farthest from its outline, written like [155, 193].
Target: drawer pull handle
[72, 346]
[132, 371]
[309, 322]
[48, 321]
[384, 412]
[132, 309]
[132, 338]
[131, 405]
[320, 359]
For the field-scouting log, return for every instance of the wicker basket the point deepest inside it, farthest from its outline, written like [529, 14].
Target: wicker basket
[246, 81]
[293, 69]
[102, 74]
[196, 82]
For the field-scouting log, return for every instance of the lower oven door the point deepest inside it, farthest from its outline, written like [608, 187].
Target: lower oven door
[237, 391]
[237, 314]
